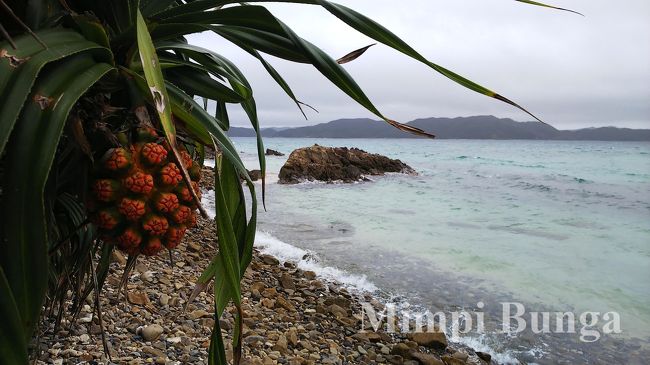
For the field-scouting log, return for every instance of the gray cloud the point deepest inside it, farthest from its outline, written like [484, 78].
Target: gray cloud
[571, 71]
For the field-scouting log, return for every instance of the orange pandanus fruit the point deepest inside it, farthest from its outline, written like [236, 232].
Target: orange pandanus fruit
[139, 199]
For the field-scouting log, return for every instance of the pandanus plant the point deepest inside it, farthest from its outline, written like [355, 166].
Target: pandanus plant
[102, 135]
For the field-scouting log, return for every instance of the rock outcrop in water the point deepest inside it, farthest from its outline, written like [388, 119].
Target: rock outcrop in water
[336, 164]
[270, 152]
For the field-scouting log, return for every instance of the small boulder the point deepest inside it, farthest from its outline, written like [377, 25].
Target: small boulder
[269, 260]
[450, 360]
[460, 356]
[367, 336]
[200, 313]
[254, 339]
[426, 359]
[151, 332]
[434, 340]
[283, 303]
[337, 311]
[484, 356]
[164, 299]
[118, 257]
[287, 282]
[402, 350]
[292, 336]
[281, 345]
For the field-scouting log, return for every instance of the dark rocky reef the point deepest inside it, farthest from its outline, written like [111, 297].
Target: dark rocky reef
[270, 152]
[339, 164]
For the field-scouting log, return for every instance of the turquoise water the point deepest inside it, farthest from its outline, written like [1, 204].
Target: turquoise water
[559, 225]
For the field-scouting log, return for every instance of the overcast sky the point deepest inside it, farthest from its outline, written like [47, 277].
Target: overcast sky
[571, 71]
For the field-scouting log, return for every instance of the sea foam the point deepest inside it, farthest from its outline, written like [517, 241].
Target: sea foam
[303, 259]
[306, 260]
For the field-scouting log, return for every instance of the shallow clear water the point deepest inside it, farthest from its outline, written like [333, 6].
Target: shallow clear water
[564, 226]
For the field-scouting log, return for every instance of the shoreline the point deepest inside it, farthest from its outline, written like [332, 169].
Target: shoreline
[446, 292]
[291, 316]
[160, 292]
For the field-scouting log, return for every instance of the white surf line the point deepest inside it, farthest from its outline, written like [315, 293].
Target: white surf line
[303, 259]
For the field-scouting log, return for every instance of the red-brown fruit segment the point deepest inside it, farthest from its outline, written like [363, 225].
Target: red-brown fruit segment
[182, 214]
[186, 159]
[167, 202]
[116, 159]
[192, 220]
[184, 193]
[139, 182]
[108, 219]
[132, 209]
[155, 225]
[106, 190]
[146, 134]
[195, 172]
[174, 236]
[153, 246]
[154, 153]
[129, 240]
[170, 174]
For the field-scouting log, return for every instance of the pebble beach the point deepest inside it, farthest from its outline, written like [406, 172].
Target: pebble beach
[291, 317]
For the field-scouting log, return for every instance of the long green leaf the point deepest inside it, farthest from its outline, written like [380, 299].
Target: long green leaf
[13, 346]
[26, 46]
[264, 41]
[213, 63]
[270, 43]
[233, 237]
[199, 83]
[242, 85]
[203, 125]
[227, 240]
[548, 6]
[221, 113]
[92, 29]
[153, 75]
[260, 19]
[217, 354]
[21, 78]
[170, 62]
[198, 122]
[245, 233]
[250, 108]
[276, 76]
[24, 241]
[339, 77]
[187, 8]
[149, 7]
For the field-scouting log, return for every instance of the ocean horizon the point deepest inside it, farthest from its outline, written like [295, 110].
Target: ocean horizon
[558, 226]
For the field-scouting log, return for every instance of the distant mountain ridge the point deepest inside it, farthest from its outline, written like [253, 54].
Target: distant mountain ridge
[476, 127]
